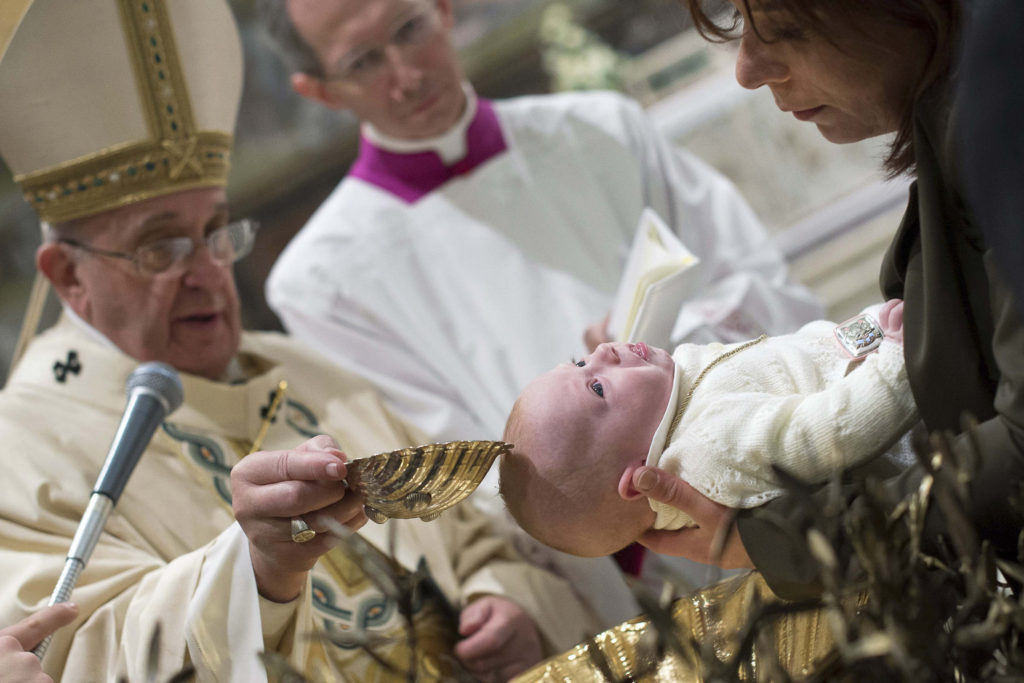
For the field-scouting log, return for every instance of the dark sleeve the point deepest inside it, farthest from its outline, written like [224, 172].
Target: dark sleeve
[774, 533]
[990, 98]
[1001, 439]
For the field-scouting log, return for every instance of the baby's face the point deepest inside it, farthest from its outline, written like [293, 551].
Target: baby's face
[616, 396]
[577, 430]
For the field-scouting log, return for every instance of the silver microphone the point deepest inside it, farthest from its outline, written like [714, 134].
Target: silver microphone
[154, 391]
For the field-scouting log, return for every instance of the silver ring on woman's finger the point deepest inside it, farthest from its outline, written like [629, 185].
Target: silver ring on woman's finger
[301, 531]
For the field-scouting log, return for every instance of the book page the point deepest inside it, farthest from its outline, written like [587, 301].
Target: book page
[660, 273]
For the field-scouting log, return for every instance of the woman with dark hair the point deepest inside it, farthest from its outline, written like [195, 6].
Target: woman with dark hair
[858, 69]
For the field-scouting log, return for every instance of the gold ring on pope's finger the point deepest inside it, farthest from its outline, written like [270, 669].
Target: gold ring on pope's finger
[301, 531]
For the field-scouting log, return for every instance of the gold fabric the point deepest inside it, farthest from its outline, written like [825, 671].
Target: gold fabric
[713, 618]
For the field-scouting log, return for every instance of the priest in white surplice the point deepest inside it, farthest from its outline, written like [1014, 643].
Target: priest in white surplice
[126, 163]
[473, 242]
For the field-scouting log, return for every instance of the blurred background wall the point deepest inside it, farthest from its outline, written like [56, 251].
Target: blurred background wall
[827, 206]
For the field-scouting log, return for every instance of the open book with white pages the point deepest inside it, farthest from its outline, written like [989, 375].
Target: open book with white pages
[660, 274]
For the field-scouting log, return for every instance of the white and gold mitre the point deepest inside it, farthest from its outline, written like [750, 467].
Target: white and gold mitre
[108, 102]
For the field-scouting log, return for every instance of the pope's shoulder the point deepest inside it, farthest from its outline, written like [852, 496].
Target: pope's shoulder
[282, 348]
[346, 404]
[302, 360]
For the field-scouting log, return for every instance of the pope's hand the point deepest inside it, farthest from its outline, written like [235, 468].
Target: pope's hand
[597, 334]
[17, 663]
[499, 639]
[713, 541]
[270, 489]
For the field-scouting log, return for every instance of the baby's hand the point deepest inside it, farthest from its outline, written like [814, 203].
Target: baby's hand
[499, 639]
[713, 541]
[597, 334]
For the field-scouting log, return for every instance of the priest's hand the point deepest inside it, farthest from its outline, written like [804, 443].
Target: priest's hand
[499, 640]
[17, 663]
[270, 489]
[713, 541]
[597, 334]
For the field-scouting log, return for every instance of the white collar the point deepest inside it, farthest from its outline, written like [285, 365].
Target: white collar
[86, 327]
[659, 442]
[450, 145]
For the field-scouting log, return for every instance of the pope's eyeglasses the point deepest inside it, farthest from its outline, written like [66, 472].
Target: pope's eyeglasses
[366, 67]
[170, 255]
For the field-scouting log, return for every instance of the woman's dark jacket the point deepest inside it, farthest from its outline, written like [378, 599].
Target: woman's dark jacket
[964, 348]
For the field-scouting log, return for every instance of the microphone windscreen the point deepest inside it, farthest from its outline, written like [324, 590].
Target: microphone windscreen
[159, 379]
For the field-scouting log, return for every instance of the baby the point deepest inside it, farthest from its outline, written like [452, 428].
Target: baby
[812, 403]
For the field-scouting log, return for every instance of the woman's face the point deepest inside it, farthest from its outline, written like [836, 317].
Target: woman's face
[849, 88]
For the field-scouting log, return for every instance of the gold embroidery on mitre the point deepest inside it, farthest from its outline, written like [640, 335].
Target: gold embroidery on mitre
[175, 157]
[123, 175]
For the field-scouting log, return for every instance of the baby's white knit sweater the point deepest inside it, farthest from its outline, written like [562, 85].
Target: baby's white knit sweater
[786, 400]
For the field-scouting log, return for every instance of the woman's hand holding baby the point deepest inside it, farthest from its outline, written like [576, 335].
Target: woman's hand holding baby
[713, 541]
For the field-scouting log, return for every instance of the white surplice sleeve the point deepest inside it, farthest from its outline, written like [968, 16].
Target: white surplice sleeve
[745, 289]
[204, 602]
[354, 340]
[207, 601]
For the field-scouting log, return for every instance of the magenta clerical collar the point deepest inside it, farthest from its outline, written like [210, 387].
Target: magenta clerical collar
[411, 175]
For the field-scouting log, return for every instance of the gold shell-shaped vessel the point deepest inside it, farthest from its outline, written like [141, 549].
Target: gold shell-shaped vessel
[421, 481]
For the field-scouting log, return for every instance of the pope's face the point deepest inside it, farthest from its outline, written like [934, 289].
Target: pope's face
[390, 62]
[850, 88]
[189, 320]
[616, 397]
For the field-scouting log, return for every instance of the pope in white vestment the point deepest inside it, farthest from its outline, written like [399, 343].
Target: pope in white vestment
[171, 553]
[116, 119]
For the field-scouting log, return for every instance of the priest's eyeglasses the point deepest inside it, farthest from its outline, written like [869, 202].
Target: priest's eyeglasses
[170, 255]
[365, 67]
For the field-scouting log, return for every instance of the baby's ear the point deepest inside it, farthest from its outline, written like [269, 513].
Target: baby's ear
[626, 489]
